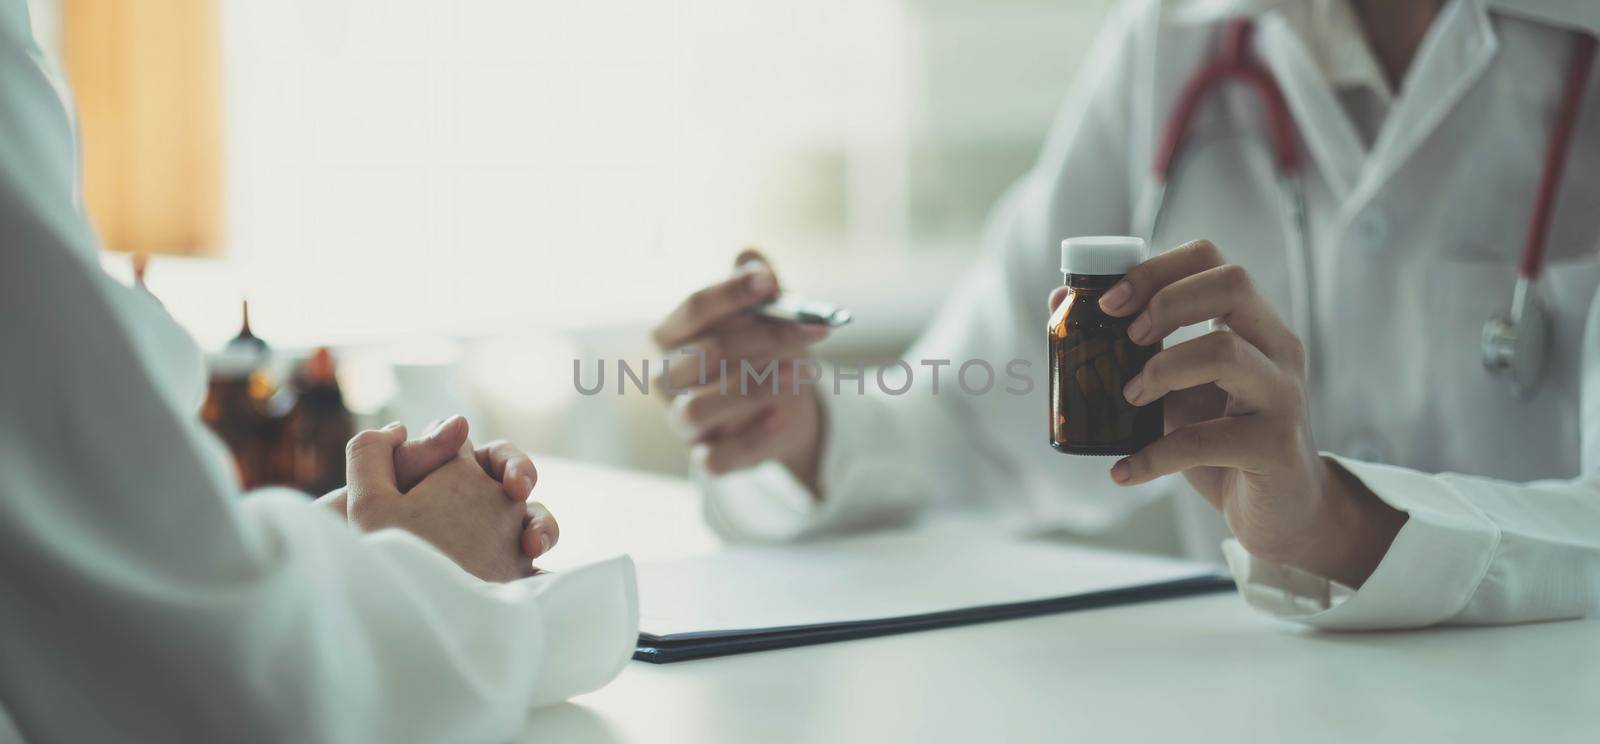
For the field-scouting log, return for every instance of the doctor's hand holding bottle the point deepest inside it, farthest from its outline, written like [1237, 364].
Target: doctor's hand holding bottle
[732, 425]
[1237, 424]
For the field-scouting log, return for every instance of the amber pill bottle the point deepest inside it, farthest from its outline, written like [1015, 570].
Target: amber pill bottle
[1091, 357]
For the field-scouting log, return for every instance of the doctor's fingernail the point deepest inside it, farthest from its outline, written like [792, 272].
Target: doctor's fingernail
[760, 283]
[544, 543]
[1141, 326]
[1116, 296]
[1121, 471]
[1134, 389]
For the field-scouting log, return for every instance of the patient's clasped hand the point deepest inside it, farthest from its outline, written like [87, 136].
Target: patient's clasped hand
[471, 504]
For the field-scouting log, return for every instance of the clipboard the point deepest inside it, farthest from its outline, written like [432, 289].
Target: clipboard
[751, 599]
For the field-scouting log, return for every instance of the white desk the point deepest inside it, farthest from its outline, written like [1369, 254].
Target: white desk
[1206, 669]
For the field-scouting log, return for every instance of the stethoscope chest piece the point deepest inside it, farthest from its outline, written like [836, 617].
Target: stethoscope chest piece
[1514, 344]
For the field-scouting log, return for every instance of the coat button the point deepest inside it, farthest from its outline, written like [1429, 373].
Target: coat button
[1371, 227]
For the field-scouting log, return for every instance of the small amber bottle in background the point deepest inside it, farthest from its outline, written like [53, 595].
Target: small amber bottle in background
[235, 404]
[1091, 357]
[317, 428]
[230, 412]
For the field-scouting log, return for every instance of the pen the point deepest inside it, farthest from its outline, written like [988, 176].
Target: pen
[801, 310]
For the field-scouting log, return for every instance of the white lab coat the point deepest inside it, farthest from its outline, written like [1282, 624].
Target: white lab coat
[145, 601]
[1415, 241]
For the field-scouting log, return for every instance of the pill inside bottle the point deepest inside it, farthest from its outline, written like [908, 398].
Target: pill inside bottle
[1092, 358]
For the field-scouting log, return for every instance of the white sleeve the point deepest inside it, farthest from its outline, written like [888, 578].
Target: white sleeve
[138, 584]
[1472, 550]
[887, 458]
[869, 472]
[146, 601]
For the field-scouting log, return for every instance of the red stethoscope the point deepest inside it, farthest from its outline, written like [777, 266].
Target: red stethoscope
[1513, 344]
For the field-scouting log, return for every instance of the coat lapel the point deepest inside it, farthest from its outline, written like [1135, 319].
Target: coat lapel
[1452, 58]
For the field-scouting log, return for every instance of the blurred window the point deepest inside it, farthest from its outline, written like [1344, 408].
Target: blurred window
[421, 165]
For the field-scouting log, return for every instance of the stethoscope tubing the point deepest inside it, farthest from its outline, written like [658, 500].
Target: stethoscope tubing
[1555, 158]
[1237, 62]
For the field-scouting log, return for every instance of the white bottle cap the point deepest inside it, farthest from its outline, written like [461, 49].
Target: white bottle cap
[1101, 255]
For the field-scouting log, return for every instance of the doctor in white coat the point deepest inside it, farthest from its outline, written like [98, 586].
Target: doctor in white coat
[144, 600]
[1372, 473]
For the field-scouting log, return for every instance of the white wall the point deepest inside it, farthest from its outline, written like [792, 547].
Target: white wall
[517, 181]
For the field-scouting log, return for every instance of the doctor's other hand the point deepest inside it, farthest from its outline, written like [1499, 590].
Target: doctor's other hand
[1237, 423]
[712, 335]
[460, 507]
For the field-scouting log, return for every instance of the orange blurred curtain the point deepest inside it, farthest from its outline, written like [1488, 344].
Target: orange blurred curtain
[147, 75]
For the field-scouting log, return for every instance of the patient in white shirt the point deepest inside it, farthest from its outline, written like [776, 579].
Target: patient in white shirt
[148, 600]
